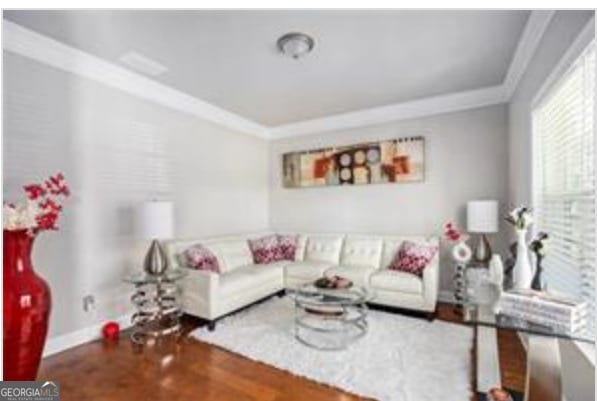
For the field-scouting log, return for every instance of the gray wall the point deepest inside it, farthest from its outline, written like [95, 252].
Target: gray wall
[116, 151]
[578, 372]
[466, 158]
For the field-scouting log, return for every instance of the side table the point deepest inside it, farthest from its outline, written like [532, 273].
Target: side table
[478, 289]
[157, 299]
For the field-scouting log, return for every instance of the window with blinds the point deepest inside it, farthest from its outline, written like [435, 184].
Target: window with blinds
[564, 179]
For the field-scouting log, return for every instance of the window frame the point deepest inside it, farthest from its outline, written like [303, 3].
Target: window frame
[563, 67]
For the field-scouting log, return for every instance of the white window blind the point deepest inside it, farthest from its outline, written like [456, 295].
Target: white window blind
[564, 179]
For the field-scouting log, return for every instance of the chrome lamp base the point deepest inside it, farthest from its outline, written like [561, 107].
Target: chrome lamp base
[155, 261]
[482, 252]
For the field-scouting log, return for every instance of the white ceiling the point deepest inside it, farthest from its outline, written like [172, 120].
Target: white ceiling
[362, 59]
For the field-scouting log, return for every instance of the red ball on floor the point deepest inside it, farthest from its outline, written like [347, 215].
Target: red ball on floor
[110, 331]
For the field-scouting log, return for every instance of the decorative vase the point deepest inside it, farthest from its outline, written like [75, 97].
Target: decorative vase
[462, 254]
[522, 273]
[27, 304]
[496, 271]
[538, 283]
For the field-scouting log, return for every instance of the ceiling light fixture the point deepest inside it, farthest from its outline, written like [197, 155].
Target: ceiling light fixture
[295, 44]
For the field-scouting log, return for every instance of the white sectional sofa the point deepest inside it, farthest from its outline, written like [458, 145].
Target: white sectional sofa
[360, 258]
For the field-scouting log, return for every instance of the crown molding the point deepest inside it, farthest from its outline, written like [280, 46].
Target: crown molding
[28, 43]
[527, 45]
[529, 41]
[399, 111]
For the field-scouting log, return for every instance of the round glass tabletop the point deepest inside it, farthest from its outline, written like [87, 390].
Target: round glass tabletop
[310, 294]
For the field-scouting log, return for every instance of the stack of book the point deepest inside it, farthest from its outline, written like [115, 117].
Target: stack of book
[559, 313]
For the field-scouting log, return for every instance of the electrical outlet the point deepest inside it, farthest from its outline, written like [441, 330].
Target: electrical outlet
[88, 303]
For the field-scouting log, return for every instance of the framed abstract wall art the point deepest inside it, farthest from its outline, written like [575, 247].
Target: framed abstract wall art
[397, 160]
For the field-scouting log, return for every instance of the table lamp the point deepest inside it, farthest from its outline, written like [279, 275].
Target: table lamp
[482, 218]
[154, 222]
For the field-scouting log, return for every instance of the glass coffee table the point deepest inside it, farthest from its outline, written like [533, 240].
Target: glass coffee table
[330, 319]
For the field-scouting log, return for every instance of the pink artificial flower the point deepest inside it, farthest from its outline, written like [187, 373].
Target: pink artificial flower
[34, 191]
[451, 233]
[43, 208]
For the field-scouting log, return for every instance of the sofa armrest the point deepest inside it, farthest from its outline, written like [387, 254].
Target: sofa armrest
[200, 293]
[431, 282]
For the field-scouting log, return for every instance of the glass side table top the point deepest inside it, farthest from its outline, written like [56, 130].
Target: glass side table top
[310, 294]
[483, 315]
[141, 277]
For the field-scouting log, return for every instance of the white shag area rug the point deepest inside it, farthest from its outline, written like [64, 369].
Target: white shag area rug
[399, 359]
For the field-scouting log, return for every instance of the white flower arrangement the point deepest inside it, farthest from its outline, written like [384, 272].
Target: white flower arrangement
[20, 216]
[521, 218]
[42, 208]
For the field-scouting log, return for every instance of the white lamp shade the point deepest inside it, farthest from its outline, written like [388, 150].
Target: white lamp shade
[154, 220]
[482, 216]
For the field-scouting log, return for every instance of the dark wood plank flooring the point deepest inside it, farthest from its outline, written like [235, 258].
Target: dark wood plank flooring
[191, 370]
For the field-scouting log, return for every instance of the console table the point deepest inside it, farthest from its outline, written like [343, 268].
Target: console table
[544, 378]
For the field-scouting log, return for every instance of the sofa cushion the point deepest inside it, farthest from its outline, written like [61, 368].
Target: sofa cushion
[393, 280]
[361, 251]
[323, 248]
[265, 249]
[359, 275]
[231, 253]
[198, 257]
[413, 258]
[287, 247]
[391, 244]
[247, 278]
[307, 270]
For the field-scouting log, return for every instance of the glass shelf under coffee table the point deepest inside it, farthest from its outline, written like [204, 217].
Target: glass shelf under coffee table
[330, 319]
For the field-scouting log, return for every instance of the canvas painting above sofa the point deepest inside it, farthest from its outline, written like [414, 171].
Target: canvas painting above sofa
[399, 160]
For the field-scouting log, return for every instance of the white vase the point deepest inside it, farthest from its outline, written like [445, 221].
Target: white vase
[496, 271]
[522, 274]
[461, 252]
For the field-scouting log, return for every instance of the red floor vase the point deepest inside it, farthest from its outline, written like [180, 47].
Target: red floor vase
[27, 304]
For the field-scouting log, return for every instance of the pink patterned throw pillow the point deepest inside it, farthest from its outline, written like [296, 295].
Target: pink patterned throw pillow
[287, 245]
[412, 258]
[200, 258]
[265, 249]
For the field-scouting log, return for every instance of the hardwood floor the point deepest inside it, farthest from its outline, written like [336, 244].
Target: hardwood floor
[190, 370]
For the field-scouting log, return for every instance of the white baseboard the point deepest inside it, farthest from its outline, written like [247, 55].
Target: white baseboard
[63, 342]
[446, 296]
